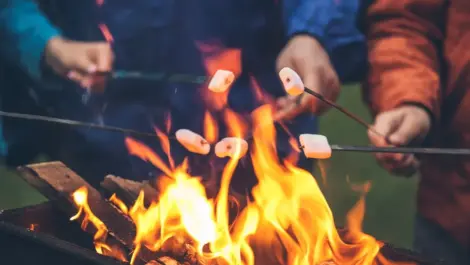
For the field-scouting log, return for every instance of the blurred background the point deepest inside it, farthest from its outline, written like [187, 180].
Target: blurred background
[390, 203]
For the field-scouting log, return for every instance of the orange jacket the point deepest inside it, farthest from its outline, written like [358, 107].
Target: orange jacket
[419, 52]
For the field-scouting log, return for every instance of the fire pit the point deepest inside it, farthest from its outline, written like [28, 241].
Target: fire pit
[43, 234]
[285, 221]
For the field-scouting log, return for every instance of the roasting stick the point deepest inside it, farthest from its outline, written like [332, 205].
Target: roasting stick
[346, 148]
[219, 76]
[89, 125]
[401, 150]
[154, 76]
[295, 87]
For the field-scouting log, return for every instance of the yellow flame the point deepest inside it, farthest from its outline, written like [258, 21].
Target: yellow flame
[80, 198]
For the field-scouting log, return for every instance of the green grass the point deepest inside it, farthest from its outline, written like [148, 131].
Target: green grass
[390, 203]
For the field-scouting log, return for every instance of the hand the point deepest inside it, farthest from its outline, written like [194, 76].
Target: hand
[79, 61]
[305, 55]
[402, 125]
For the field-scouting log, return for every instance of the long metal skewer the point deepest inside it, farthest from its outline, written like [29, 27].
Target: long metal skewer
[346, 112]
[401, 150]
[156, 76]
[345, 148]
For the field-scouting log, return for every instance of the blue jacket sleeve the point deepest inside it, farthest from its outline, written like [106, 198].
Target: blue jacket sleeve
[24, 33]
[309, 17]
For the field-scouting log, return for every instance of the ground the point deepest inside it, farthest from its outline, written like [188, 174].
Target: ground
[390, 203]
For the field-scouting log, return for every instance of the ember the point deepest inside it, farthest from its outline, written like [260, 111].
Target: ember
[288, 222]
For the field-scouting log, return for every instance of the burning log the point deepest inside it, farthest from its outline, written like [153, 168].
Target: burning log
[57, 183]
[128, 190]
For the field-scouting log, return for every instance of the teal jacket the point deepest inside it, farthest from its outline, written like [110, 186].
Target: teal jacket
[24, 33]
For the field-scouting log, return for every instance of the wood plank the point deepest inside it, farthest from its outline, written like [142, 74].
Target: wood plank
[128, 190]
[57, 182]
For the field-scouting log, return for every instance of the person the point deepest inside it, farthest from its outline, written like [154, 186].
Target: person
[27, 45]
[417, 88]
[162, 36]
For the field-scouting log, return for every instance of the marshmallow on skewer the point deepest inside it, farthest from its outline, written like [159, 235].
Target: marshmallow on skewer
[193, 142]
[221, 81]
[291, 81]
[231, 146]
[315, 146]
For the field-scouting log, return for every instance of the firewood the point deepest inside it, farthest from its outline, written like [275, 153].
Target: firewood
[128, 190]
[57, 183]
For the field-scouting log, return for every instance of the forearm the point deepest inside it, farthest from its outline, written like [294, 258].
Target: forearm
[403, 56]
[25, 32]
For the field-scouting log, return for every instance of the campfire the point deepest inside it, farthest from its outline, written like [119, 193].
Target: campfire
[285, 220]
[186, 220]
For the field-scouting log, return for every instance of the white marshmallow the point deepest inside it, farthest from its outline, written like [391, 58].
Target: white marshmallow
[231, 146]
[221, 81]
[315, 146]
[291, 81]
[193, 142]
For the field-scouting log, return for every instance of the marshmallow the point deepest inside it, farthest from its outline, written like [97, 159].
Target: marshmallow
[315, 146]
[221, 81]
[231, 146]
[193, 142]
[291, 81]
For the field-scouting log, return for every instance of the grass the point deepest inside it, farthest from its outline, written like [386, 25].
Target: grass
[390, 203]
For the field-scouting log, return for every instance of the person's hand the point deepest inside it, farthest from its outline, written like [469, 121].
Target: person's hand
[80, 61]
[305, 55]
[401, 126]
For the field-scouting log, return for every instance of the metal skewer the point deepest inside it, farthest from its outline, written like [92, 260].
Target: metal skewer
[156, 76]
[401, 150]
[343, 148]
[346, 112]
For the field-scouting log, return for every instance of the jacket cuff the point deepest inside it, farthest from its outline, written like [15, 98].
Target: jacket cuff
[300, 27]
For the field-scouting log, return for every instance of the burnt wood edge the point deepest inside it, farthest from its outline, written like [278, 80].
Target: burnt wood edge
[88, 256]
[38, 176]
[129, 190]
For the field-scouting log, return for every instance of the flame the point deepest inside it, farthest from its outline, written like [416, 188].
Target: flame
[287, 221]
[80, 198]
[211, 131]
[118, 203]
[106, 33]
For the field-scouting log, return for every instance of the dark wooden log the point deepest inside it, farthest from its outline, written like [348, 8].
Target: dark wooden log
[128, 190]
[57, 183]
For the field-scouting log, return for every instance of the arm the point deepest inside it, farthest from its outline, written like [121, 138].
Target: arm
[403, 54]
[25, 32]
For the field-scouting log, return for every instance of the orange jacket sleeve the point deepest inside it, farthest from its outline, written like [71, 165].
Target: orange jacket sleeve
[403, 38]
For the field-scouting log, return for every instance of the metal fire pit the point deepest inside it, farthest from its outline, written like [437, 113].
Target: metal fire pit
[41, 234]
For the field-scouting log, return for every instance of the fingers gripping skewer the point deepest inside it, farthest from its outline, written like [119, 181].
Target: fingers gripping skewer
[294, 86]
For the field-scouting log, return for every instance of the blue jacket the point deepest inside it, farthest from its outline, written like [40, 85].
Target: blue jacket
[159, 36]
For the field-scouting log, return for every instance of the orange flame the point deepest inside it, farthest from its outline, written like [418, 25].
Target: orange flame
[211, 131]
[106, 33]
[80, 198]
[288, 221]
